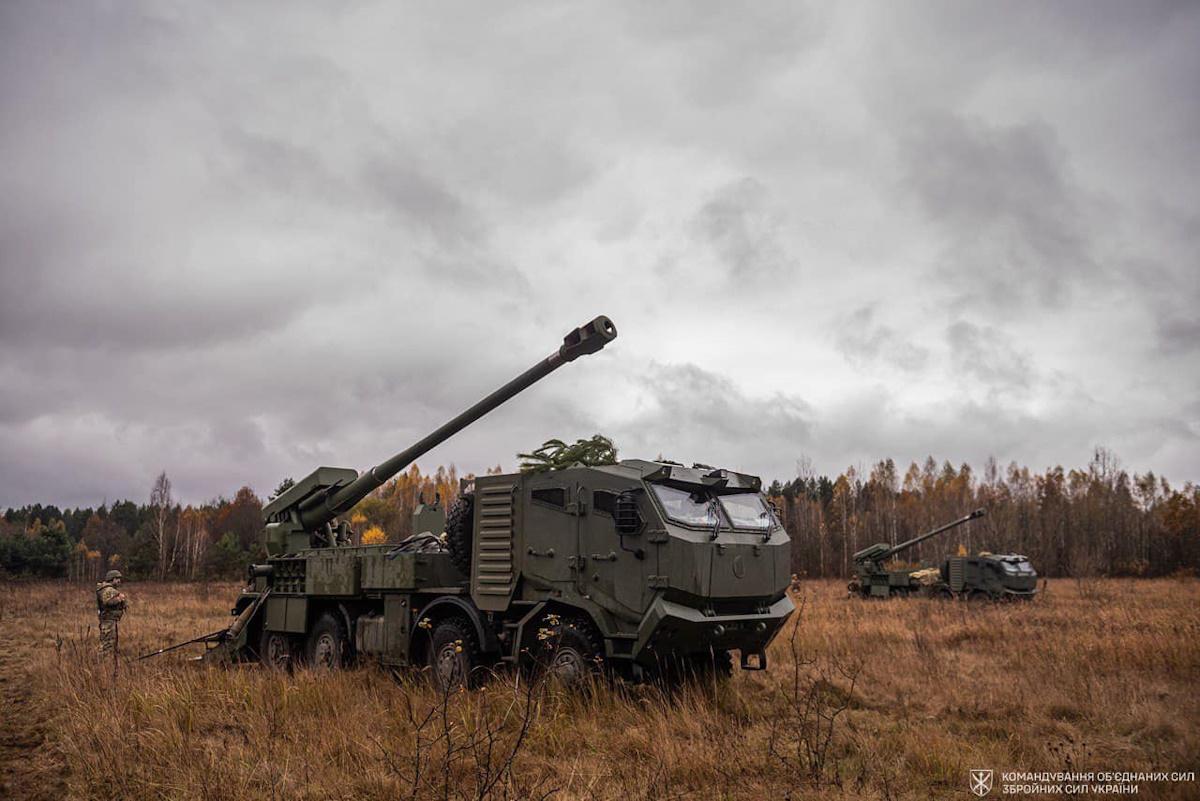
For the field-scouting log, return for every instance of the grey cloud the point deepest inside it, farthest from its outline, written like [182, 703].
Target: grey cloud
[693, 414]
[238, 245]
[1178, 335]
[961, 430]
[1012, 217]
[417, 197]
[104, 312]
[240, 439]
[1170, 299]
[866, 342]
[739, 224]
[729, 52]
[985, 354]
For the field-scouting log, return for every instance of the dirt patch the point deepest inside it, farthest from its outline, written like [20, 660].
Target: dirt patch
[30, 765]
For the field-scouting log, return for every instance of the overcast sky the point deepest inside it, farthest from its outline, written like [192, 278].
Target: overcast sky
[238, 245]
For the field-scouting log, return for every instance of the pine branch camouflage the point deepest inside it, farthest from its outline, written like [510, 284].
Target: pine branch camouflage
[554, 454]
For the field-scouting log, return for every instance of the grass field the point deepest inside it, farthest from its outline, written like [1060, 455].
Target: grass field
[895, 699]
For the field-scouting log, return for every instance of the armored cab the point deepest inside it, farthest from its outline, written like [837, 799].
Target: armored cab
[661, 562]
[991, 576]
[634, 565]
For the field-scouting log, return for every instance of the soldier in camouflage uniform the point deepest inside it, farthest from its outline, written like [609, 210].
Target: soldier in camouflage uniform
[110, 603]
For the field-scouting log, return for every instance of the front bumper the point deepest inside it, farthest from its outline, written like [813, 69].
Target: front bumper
[672, 629]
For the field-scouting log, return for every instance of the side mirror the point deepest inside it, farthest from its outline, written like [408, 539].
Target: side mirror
[626, 516]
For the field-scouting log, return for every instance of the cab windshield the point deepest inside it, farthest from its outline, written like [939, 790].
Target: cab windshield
[1022, 568]
[742, 510]
[689, 508]
[746, 510]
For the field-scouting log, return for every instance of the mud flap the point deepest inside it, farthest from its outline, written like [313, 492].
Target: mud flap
[759, 664]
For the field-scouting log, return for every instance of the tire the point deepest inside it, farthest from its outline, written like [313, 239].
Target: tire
[460, 532]
[328, 648]
[453, 654]
[275, 650]
[575, 654]
[978, 596]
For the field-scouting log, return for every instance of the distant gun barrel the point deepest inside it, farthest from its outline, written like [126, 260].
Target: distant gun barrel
[881, 551]
[320, 508]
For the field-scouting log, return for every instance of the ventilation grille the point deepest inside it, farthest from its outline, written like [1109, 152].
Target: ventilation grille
[494, 573]
[956, 574]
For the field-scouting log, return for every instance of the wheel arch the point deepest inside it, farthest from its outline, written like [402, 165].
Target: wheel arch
[348, 623]
[566, 610]
[449, 606]
[319, 607]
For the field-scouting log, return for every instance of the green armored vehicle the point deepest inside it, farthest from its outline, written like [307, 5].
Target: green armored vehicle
[639, 566]
[988, 576]
[983, 576]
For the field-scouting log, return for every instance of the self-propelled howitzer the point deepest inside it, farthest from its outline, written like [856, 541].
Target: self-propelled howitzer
[873, 580]
[982, 576]
[636, 567]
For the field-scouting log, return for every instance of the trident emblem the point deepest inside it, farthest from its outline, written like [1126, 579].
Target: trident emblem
[981, 782]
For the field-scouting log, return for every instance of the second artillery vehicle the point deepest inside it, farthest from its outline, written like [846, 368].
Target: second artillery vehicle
[636, 565]
[983, 576]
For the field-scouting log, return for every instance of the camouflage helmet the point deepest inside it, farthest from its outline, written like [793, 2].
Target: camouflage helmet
[112, 574]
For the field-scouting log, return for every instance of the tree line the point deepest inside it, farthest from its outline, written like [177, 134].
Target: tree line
[164, 539]
[1098, 520]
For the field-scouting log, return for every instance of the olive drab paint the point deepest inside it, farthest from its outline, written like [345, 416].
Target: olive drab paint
[983, 576]
[636, 564]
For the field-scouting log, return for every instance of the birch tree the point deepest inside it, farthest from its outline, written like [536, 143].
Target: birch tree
[160, 506]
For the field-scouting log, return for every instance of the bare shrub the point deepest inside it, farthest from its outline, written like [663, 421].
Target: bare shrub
[803, 727]
[1085, 570]
[460, 744]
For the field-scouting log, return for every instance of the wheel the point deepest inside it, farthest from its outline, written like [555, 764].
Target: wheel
[978, 596]
[568, 650]
[460, 531]
[453, 654]
[944, 594]
[328, 648]
[576, 651]
[275, 650]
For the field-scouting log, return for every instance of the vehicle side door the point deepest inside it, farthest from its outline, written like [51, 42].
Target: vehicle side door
[550, 533]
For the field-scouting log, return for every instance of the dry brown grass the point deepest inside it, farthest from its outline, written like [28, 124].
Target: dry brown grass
[1103, 680]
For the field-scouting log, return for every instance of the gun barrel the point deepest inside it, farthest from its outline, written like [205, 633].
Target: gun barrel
[178, 645]
[921, 538]
[586, 339]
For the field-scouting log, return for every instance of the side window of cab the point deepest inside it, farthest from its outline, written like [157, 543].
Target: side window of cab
[604, 502]
[554, 497]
